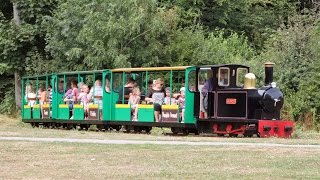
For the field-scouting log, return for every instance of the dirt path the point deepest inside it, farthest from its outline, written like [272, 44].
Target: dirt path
[189, 143]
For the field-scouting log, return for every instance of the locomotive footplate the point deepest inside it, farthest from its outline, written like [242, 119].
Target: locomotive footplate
[233, 127]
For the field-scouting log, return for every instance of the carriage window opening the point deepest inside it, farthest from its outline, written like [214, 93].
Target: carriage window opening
[223, 76]
[241, 72]
[117, 82]
[204, 75]
[107, 83]
[192, 81]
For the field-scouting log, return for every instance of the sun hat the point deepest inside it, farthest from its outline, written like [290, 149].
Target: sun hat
[182, 89]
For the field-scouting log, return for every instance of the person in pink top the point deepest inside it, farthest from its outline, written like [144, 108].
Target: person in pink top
[84, 97]
[134, 101]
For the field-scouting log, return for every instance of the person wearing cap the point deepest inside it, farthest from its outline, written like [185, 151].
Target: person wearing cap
[181, 101]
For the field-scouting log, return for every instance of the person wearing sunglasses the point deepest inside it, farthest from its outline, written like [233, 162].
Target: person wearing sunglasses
[156, 96]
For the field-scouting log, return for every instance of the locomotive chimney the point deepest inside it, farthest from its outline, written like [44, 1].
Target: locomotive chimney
[268, 69]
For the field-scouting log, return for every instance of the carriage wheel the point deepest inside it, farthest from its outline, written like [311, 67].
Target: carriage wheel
[148, 129]
[185, 131]
[118, 127]
[137, 129]
[174, 130]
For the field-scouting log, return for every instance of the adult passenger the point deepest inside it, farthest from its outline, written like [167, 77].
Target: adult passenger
[156, 96]
[96, 93]
[125, 91]
[30, 95]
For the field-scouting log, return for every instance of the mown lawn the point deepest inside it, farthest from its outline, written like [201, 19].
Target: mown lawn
[14, 127]
[40, 160]
[35, 160]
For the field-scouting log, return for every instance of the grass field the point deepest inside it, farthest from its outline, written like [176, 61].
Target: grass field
[40, 160]
[90, 161]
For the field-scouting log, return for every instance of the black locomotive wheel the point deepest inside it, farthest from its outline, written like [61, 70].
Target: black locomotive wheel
[33, 125]
[220, 134]
[233, 135]
[247, 135]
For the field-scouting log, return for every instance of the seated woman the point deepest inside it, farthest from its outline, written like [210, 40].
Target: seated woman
[30, 96]
[156, 96]
[125, 91]
[134, 101]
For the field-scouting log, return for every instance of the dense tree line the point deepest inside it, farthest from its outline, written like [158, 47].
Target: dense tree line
[45, 35]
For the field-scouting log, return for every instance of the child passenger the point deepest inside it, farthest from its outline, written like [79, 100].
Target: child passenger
[168, 98]
[84, 97]
[134, 101]
[181, 101]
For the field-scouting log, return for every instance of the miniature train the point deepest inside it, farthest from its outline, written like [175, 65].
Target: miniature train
[210, 99]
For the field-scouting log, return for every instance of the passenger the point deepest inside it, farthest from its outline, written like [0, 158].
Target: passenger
[71, 96]
[61, 87]
[96, 93]
[80, 84]
[168, 98]
[181, 101]
[42, 95]
[125, 92]
[156, 96]
[134, 101]
[83, 98]
[107, 86]
[30, 96]
[75, 92]
[49, 98]
[68, 98]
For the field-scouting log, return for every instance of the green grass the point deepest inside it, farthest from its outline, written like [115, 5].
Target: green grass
[34, 160]
[40, 160]
[14, 127]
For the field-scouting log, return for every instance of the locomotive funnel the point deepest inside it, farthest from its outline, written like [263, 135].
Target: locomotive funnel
[268, 73]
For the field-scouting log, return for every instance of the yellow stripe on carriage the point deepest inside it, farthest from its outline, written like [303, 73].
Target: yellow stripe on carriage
[26, 106]
[63, 106]
[170, 107]
[78, 106]
[122, 105]
[45, 105]
[145, 106]
[36, 106]
[93, 106]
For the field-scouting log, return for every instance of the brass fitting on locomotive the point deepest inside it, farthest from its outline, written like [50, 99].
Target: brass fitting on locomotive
[249, 81]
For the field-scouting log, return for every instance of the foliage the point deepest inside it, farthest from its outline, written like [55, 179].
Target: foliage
[7, 106]
[97, 34]
[193, 46]
[295, 50]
